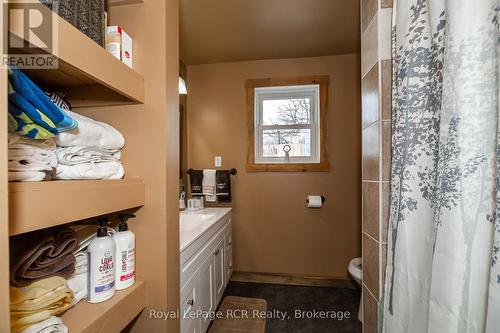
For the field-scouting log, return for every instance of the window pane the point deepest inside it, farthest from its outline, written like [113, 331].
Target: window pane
[286, 111]
[298, 139]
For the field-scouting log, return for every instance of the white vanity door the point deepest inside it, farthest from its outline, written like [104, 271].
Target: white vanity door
[190, 295]
[219, 270]
[206, 286]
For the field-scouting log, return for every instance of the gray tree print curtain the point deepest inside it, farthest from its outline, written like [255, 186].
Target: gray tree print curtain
[443, 270]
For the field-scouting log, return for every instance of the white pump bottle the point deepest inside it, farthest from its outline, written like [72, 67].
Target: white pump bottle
[124, 254]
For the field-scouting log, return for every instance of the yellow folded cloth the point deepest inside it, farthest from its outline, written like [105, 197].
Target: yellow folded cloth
[38, 301]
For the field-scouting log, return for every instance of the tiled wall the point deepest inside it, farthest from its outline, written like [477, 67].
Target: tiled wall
[376, 131]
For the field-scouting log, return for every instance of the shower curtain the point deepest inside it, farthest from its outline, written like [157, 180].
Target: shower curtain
[443, 265]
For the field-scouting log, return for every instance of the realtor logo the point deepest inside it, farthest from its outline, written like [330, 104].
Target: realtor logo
[29, 34]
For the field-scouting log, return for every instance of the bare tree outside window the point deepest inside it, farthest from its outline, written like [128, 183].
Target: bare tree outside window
[292, 111]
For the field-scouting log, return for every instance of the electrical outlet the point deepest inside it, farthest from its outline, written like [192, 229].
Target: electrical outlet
[218, 161]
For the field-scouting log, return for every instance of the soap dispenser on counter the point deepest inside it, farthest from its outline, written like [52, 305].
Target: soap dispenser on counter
[124, 254]
[101, 261]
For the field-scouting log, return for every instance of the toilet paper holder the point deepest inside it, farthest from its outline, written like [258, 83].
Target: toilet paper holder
[322, 200]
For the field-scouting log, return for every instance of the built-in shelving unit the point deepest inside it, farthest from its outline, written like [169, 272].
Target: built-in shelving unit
[99, 84]
[112, 315]
[87, 73]
[39, 205]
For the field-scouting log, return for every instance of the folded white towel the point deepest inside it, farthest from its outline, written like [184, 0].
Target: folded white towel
[32, 164]
[78, 284]
[104, 170]
[78, 155]
[31, 160]
[29, 176]
[81, 262]
[16, 141]
[208, 185]
[91, 133]
[34, 153]
[51, 325]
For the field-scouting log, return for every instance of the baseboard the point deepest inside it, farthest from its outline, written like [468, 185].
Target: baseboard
[294, 280]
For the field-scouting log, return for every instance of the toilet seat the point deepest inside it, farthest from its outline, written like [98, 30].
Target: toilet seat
[356, 268]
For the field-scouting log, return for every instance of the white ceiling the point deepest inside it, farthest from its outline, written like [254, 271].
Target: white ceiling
[237, 30]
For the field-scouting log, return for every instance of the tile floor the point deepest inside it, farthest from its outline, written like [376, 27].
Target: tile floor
[285, 298]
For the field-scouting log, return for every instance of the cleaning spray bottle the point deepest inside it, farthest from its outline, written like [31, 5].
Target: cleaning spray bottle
[125, 254]
[101, 261]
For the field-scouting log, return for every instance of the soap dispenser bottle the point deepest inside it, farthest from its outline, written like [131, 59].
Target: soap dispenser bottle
[125, 253]
[101, 261]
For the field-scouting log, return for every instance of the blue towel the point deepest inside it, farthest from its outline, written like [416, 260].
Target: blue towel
[35, 106]
[18, 105]
[67, 123]
[26, 88]
[19, 122]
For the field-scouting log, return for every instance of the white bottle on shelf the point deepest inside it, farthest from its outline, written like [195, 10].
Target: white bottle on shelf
[125, 254]
[101, 269]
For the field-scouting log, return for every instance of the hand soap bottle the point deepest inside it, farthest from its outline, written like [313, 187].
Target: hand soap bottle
[101, 261]
[125, 254]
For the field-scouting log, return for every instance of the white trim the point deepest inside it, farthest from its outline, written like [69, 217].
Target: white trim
[284, 92]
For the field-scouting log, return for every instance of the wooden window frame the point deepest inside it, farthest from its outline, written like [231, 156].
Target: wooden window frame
[323, 81]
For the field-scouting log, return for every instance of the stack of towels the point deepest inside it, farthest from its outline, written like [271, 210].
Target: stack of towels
[86, 149]
[38, 303]
[31, 160]
[50, 276]
[90, 151]
[41, 261]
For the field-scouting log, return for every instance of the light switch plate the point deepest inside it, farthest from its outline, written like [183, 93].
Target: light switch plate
[218, 161]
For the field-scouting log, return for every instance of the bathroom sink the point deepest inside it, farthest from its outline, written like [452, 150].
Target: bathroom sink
[203, 216]
[185, 226]
[194, 220]
[193, 224]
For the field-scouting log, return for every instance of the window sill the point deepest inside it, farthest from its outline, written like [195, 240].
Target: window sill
[291, 167]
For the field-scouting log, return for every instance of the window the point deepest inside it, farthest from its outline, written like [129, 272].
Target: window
[286, 126]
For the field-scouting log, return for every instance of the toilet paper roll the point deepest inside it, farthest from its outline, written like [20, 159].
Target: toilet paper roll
[314, 201]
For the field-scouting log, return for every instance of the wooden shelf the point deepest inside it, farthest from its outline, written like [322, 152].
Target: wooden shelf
[86, 73]
[39, 205]
[112, 315]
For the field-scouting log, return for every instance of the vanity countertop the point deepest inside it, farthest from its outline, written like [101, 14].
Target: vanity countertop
[193, 224]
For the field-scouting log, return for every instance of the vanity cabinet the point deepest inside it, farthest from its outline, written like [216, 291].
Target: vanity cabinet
[206, 267]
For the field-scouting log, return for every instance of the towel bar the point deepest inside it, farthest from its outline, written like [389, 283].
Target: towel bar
[232, 171]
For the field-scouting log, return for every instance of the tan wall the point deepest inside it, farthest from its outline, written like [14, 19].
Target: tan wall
[273, 230]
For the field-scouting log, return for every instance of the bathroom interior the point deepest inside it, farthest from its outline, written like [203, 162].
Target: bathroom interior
[249, 166]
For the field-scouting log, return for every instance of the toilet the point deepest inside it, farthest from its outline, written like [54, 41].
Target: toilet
[355, 268]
